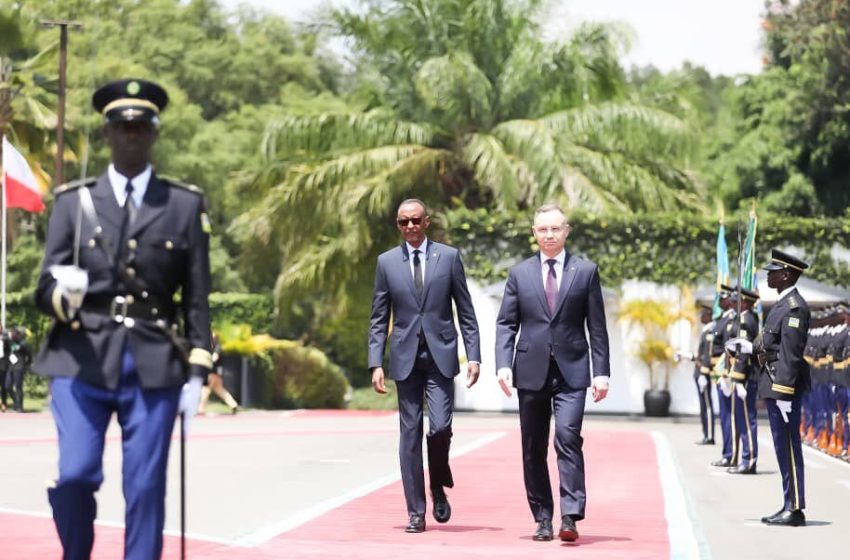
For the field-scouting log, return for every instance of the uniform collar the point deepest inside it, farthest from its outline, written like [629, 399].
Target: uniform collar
[119, 184]
[786, 292]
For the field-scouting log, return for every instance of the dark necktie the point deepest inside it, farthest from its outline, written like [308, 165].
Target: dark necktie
[129, 205]
[551, 286]
[417, 273]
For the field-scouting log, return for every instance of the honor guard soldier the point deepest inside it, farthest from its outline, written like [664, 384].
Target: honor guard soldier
[702, 376]
[745, 384]
[720, 372]
[118, 249]
[783, 379]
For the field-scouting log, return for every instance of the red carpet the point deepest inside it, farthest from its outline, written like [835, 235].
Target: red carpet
[625, 516]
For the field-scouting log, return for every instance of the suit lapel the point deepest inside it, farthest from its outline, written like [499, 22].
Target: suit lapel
[432, 257]
[533, 270]
[105, 203]
[406, 270]
[569, 274]
[153, 205]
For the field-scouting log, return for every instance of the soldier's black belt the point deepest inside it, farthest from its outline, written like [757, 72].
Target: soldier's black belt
[765, 358]
[120, 308]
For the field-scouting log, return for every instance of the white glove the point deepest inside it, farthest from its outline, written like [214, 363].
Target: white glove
[739, 345]
[505, 376]
[726, 386]
[702, 383]
[73, 282]
[190, 398]
[741, 391]
[785, 408]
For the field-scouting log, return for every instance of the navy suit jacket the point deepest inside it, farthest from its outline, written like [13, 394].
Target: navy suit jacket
[168, 249]
[561, 335]
[395, 299]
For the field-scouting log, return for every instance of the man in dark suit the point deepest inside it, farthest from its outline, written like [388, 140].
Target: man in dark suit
[415, 284]
[783, 380]
[550, 299]
[118, 249]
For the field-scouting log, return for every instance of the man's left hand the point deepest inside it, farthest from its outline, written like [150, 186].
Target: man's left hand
[599, 390]
[190, 398]
[472, 371]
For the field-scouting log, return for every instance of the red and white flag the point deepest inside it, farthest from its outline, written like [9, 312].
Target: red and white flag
[22, 190]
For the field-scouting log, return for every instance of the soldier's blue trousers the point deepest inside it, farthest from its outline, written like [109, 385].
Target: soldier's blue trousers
[82, 413]
[789, 452]
[745, 437]
[724, 409]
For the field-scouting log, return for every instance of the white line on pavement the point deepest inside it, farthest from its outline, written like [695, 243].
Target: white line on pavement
[686, 539]
[292, 521]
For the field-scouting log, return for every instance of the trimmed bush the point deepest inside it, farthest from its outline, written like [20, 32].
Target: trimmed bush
[304, 377]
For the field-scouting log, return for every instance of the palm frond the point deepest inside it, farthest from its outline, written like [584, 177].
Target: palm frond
[493, 167]
[329, 133]
[455, 86]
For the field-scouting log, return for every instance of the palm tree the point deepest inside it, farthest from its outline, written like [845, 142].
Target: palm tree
[468, 105]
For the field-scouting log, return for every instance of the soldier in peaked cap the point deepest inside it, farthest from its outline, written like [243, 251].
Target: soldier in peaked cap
[723, 331]
[118, 249]
[702, 376]
[783, 379]
[744, 379]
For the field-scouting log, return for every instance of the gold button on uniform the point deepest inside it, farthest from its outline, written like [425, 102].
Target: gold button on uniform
[75, 325]
[132, 243]
[169, 245]
[92, 242]
[131, 272]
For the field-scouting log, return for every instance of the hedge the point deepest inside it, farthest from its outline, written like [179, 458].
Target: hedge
[664, 248]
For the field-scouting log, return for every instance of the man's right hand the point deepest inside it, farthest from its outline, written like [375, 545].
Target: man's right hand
[378, 381]
[702, 382]
[505, 376]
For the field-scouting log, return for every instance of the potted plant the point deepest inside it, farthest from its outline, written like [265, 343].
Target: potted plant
[654, 318]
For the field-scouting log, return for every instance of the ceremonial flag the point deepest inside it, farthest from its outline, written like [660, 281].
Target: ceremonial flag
[722, 269]
[748, 264]
[19, 181]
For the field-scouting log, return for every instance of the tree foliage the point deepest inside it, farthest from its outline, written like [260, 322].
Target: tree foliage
[465, 104]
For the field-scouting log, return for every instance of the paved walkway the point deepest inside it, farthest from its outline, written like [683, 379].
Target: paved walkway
[280, 485]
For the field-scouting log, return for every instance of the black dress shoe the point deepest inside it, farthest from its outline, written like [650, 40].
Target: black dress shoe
[705, 441]
[723, 462]
[568, 531]
[416, 525]
[442, 508]
[544, 531]
[767, 518]
[742, 469]
[788, 518]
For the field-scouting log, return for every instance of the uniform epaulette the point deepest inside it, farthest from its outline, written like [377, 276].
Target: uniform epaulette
[793, 303]
[72, 185]
[181, 185]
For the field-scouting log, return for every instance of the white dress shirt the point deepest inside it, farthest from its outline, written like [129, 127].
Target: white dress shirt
[119, 184]
[559, 267]
[422, 248]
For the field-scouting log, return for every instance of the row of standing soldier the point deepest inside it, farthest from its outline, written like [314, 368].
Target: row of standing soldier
[826, 414]
[745, 364]
[15, 358]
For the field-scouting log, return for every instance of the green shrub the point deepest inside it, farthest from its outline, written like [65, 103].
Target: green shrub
[304, 377]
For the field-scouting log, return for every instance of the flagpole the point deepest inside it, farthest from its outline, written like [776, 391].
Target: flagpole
[3, 253]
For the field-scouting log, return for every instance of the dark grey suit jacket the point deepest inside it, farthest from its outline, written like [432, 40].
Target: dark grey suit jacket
[524, 311]
[395, 297]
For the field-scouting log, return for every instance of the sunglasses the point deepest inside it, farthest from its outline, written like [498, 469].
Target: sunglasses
[404, 221]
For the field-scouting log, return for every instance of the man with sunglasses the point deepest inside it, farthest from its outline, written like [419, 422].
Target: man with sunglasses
[415, 284]
[550, 300]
